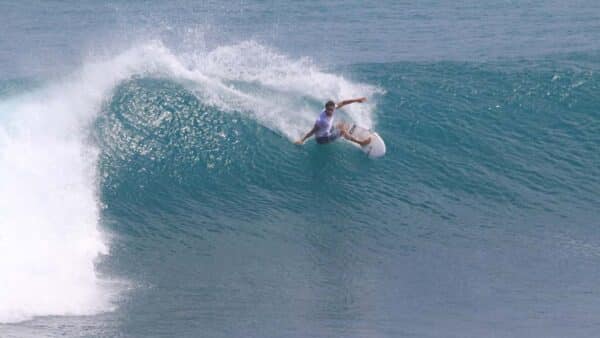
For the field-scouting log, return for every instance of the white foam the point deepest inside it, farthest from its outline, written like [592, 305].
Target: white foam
[48, 214]
[49, 203]
[49, 208]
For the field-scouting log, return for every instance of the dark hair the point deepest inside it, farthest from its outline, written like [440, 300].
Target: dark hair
[329, 104]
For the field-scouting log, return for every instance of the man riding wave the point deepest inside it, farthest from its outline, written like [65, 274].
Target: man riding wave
[324, 130]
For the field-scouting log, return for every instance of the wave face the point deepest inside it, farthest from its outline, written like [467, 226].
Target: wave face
[159, 192]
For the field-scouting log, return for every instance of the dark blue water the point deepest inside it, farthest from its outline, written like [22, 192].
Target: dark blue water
[149, 185]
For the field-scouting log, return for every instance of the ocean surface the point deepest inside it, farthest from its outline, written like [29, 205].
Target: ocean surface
[150, 187]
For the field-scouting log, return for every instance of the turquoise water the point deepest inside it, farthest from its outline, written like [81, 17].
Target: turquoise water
[149, 185]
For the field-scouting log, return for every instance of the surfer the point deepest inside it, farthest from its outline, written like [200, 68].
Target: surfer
[324, 130]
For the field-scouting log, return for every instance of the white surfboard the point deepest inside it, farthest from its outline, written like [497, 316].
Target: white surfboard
[376, 148]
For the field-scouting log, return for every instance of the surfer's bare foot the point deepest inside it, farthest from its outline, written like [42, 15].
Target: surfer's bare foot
[365, 142]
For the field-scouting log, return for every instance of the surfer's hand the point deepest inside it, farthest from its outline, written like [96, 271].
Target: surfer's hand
[299, 142]
[361, 100]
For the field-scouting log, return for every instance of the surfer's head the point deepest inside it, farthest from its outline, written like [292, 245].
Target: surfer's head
[329, 107]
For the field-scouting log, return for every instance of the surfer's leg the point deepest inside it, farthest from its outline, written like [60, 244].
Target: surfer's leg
[363, 142]
[349, 137]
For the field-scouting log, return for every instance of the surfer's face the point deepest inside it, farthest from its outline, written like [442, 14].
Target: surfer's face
[329, 110]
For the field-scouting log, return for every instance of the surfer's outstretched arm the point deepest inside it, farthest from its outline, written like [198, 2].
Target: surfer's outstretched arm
[309, 134]
[345, 102]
